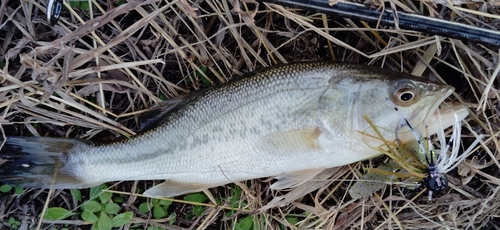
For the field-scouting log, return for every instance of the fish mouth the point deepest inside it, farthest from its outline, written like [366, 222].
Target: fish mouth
[445, 117]
[434, 110]
[439, 116]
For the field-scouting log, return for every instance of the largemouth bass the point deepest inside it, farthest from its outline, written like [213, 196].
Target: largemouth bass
[290, 121]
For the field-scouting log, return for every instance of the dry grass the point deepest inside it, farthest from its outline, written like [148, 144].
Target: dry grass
[95, 71]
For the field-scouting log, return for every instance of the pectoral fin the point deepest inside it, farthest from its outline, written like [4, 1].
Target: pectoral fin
[172, 188]
[294, 179]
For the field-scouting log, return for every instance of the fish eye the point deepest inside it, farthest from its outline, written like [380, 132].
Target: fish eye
[404, 92]
[405, 95]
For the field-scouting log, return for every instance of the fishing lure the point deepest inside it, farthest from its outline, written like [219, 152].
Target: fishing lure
[418, 158]
[54, 9]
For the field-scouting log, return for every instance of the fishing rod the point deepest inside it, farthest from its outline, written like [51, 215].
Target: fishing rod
[354, 10]
[405, 20]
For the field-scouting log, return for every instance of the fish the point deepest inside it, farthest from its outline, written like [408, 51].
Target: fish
[289, 121]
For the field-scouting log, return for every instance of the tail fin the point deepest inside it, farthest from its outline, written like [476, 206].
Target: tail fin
[38, 162]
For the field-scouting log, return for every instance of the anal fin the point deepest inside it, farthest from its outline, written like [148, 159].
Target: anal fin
[171, 188]
[294, 179]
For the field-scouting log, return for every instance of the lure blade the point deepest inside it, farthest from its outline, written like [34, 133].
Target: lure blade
[54, 11]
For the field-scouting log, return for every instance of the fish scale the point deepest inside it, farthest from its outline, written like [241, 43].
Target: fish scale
[290, 121]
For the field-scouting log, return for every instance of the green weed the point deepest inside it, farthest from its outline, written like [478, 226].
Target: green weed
[159, 207]
[7, 188]
[13, 223]
[101, 211]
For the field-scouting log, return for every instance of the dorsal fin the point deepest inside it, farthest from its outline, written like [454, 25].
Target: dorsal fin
[157, 115]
